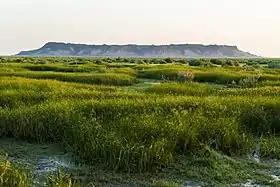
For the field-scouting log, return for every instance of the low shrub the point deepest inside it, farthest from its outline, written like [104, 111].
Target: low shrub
[185, 76]
[274, 65]
[195, 62]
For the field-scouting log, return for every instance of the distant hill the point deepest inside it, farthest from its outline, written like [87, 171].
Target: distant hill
[146, 51]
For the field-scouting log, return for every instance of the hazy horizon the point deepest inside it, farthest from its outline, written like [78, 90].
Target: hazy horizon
[251, 25]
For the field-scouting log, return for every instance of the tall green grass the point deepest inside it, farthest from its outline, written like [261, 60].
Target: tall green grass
[210, 75]
[190, 89]
[127, 130]
[17, 91]
[105, 79]
[57, 68]
[204, 89]
[11, 175]
[140, 134]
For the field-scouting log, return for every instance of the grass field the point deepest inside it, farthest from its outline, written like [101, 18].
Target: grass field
[166, 124]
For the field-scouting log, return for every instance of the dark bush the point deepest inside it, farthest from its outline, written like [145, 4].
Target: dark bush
[231, 62]
[41, 62]
[80, 59]
[195, 62]
[217, 61]
[146, 61]
[76, 63]
[251, 63]
[168, 60]
[182, 61]
[98, 62]
[162, 62]
[154, 61]
[141, 62]
[19, 60]
[274, 65]
[108, 60]
[126, 60]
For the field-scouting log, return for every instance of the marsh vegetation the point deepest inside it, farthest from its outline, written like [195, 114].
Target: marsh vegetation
[147, 122]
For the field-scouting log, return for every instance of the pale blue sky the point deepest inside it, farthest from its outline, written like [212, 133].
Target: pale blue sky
[252, 25]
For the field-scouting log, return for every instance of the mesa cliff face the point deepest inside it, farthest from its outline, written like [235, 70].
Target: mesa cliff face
[144, 51]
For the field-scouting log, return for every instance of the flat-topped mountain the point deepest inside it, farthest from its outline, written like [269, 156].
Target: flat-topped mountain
[145, 51]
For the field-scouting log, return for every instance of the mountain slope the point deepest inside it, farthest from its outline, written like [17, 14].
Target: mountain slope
[148, 51]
